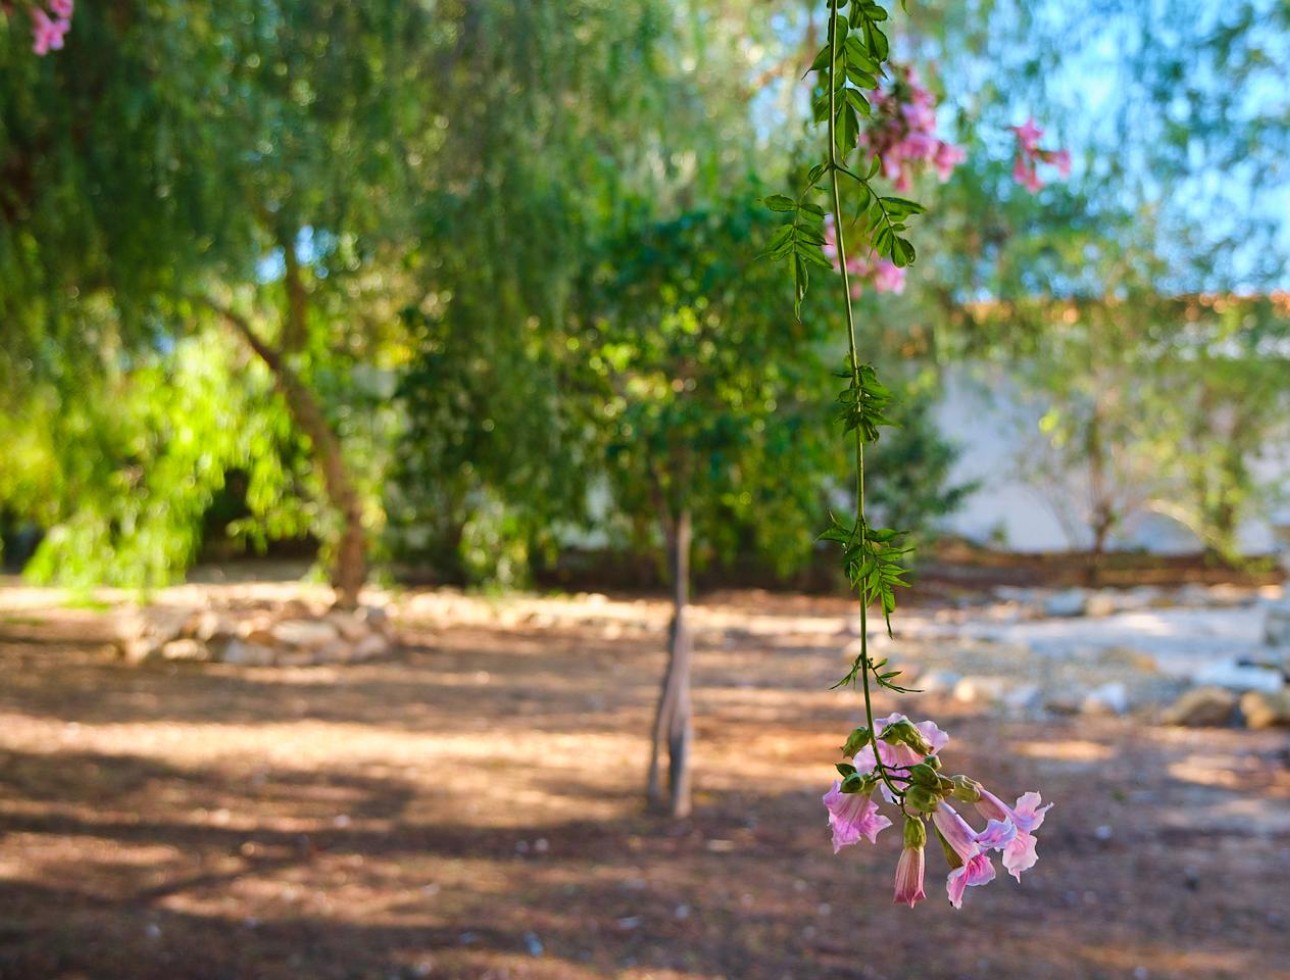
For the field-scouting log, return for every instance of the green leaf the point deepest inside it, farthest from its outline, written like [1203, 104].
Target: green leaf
[780, 202]
[821, 60]
[903, 253]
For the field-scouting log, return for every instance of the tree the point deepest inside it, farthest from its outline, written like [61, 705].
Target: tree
[262, 183]
[707, 394]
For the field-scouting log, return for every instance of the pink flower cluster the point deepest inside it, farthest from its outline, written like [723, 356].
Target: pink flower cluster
[854, 814]
[901, 133]
[885, 275]
[49, 29]
[1025, 167]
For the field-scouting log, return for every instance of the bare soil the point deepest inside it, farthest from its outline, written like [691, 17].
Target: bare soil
[471, 807]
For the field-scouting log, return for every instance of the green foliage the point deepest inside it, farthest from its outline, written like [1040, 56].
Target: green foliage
[122, 475]
[873, 559]
[706, 386]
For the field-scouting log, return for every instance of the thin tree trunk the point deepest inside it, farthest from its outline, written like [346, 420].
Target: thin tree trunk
[349, 567]
[672, 720]
[1102, 517]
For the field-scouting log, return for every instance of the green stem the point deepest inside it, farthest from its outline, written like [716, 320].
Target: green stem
[835, 167]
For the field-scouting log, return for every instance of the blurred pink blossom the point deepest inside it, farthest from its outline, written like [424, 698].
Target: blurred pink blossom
[47, 33]
[901, 132]
[1025, 167]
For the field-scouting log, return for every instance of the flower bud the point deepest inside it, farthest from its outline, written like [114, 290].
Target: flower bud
[915, 832]
[922, 799]
[925, 776]
[934, 761]
[966, 789]
[856, 741]
[904, 732]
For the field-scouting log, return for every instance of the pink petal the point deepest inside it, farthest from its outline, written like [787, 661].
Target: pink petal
[1028, 814]
[909, 877]
[997, 835]
[955, 830]
[852, 816]
[1020, 855]
[978, 871]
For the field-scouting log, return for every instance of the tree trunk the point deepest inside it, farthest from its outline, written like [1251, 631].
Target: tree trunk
[349, 565]
[672, 721]
[1102, 516]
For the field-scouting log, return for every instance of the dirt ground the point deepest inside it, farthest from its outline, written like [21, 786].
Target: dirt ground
[471, 808]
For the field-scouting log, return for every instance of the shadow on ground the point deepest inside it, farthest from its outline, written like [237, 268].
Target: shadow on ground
[471, 809]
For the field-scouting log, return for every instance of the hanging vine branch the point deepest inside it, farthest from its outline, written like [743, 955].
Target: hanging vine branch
[870, 136]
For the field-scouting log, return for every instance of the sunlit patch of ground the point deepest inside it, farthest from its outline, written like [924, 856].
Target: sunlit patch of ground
[471, 808]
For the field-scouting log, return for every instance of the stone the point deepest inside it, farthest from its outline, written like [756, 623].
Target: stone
[938, 682]
[1207, 706]
[1276, 627]
[129, 623]
[1101, 604]
[374, 645]
[1023, 699]
[375, 616]
[1129, 657]
[1266, 710]
[210, 625]
[977, 690]
[1240, 677]
[337, 652]
[186, 649]
[1106, 699]
[139, 649]
[246, 654]
[166, 623]
[1070, 602]
[350, 627]
[306, 633]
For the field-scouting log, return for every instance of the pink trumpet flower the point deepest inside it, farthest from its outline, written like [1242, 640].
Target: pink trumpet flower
[971, 848]
[853, 816]
[1019, 854]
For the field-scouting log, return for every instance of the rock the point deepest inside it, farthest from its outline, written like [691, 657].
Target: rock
[255, 626]
[1266, 710]
[185, 649]
[980, 690]
[1101, 604]
[378, 617]
[350, 627]
[938, 682]
[1023, 699]
[1276, 627]
[1071, 602]
[336, 652]
[1128, 657]
[305, 633]
[373, 645]
[167, 623]
[210, 625]
[129, 623]
[1062, 704]
[1201, 706]
[1108, 699]
[139, 649]
[1238, 677]
[246, 654]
